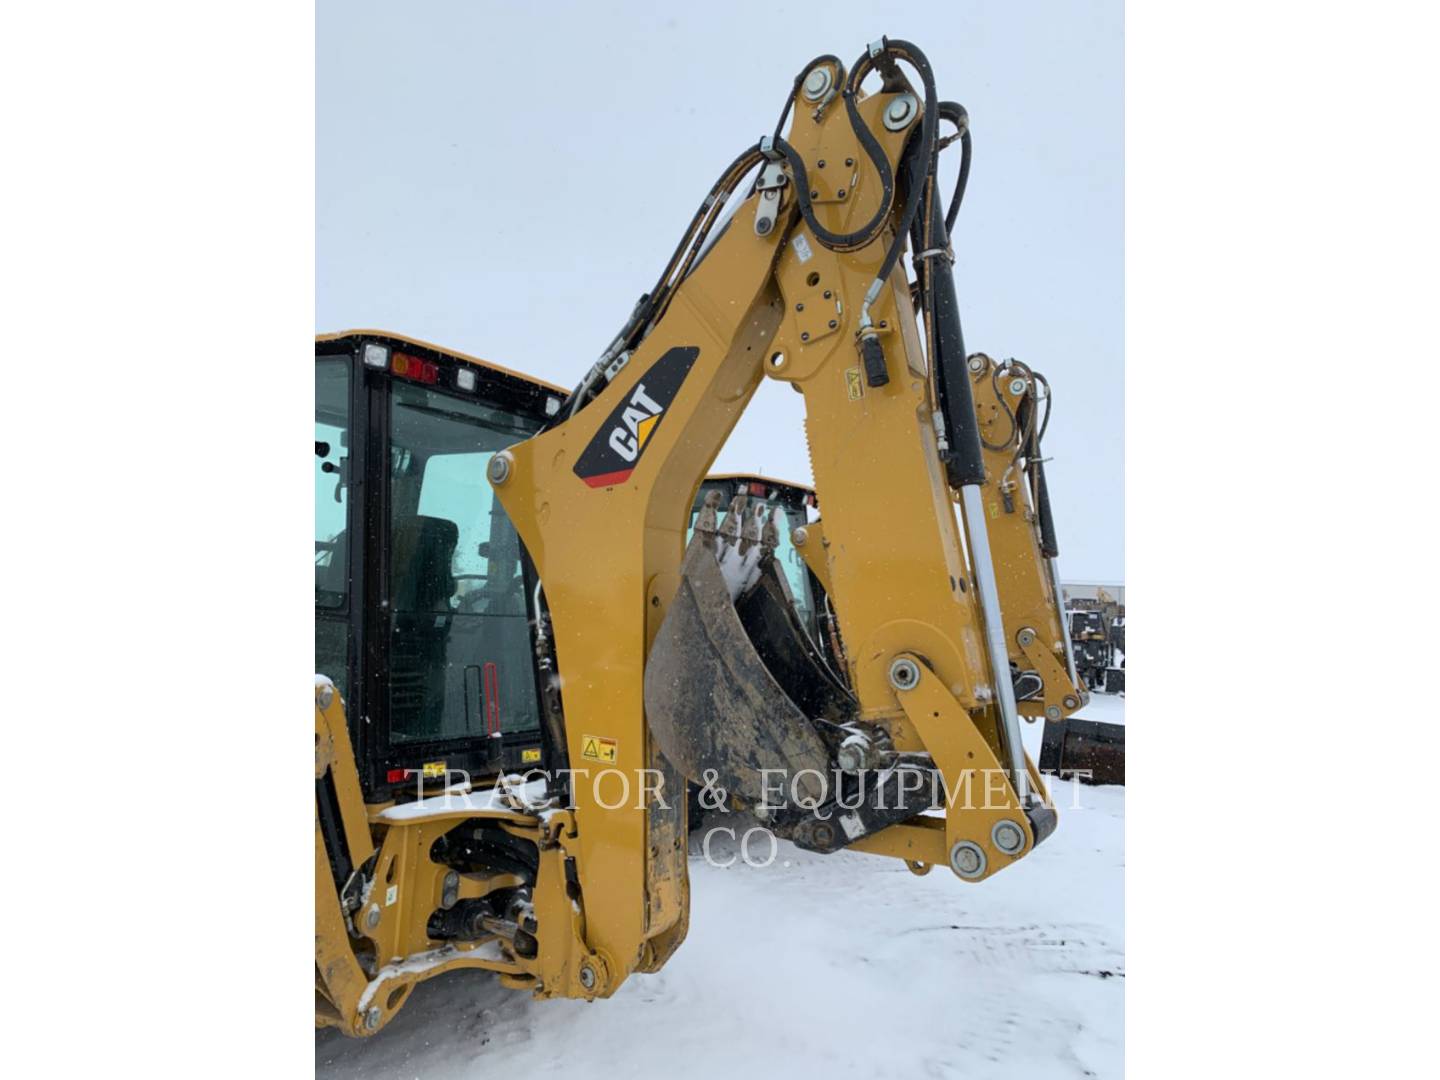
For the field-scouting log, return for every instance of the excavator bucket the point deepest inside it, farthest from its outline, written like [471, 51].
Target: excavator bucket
[722, 710]
[1087, 750]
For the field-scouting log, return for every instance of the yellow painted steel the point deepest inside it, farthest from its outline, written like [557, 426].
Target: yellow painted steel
[612, 894]
[1033, 614]
[780, 305]
[367, 963]
[609, 558]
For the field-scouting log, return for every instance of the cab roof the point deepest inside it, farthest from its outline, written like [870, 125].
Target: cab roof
[393, 338]
[464, 358]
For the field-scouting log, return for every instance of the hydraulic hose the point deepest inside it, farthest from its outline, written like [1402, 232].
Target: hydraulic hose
[652, 304]
[800, 81]
[1049, 544]
[955, 113]
[929, 126]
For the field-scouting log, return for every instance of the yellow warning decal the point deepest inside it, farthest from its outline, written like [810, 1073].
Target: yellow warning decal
[853, 385]
[597, 749]
[530, 755]
[433, 770]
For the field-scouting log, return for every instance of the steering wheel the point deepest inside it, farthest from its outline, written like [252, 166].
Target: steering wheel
[471, 599]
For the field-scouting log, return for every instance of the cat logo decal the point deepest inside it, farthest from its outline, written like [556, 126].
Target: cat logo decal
[613, 453]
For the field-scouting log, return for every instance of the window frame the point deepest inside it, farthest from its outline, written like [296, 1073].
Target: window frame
[406, 746]
[350, 614]
[368, 714]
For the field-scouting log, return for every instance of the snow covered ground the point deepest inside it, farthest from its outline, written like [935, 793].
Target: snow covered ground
[837, 966]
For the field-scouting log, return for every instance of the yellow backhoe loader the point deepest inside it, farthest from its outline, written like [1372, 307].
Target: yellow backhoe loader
[538, 623]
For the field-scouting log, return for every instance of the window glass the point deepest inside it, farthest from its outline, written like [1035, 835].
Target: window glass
[332, 571]
[460, 654]
[796, 573]
[332, 458]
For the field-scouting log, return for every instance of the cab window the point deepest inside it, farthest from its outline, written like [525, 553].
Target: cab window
[332, 504]
[460, 657]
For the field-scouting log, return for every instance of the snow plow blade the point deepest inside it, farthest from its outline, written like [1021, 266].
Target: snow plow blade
[710, 701]
[1086, 750]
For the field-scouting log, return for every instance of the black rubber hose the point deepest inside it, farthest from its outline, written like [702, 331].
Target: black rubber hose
[955, 113]
[714, 201]
[929, 127]
[873, 150]
[800, 81]
[652, 302]
[964, 463]
[863, 235]
[1049, 544]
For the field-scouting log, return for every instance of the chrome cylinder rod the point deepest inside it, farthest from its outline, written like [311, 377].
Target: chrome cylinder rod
[989, 594]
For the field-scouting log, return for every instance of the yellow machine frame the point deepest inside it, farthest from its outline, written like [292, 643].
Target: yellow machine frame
[905, 572]
[756, 306]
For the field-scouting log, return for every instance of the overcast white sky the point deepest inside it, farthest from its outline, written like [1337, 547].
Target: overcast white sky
[506, 179]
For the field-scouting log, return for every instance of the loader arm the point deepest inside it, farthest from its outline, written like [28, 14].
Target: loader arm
[804, 285]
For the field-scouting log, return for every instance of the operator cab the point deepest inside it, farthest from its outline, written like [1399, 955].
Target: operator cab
[424, 596]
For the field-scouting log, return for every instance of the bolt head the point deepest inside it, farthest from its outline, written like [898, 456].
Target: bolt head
[1008, 837]
[372, 917]
[799, 536]
[1026, 637]
[967, 859]
[372, 1018]
[499, 468]
[587, 976]
[1017, 386]
[1052, 712]
[324, 695]
[977, 364]
[904, 674]
[816, 83]
[762, 225]
[900, 112]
